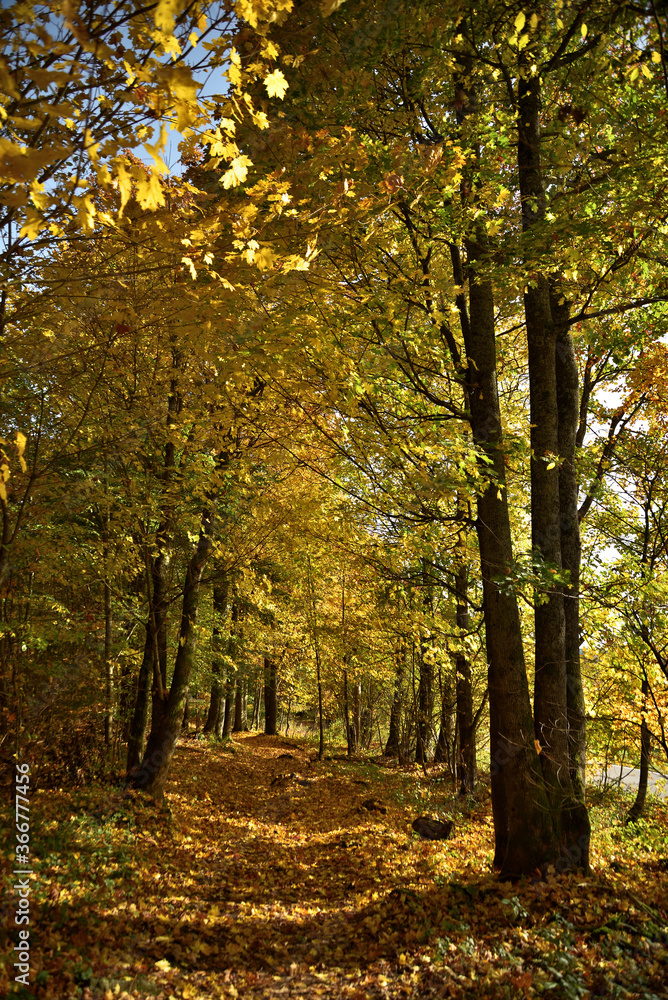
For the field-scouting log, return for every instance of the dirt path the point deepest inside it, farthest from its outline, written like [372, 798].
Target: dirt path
[297, 873]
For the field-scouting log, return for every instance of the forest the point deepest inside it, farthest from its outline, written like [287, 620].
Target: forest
[334, 512]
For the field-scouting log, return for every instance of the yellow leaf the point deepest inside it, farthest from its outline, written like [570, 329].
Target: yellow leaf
[38, 195]
[534, 22]
[91, 147]
[189, 264]
[537, 746]
[27, 123]
[328, 7]
[163, 965]
[165, 14]
[520, 21]
[154, 151]
[149, 193]
[124, 185]
[4, 476]
[33, 224]
[180, 82]
[20, 448]
[276, 84]
[85, 211]
[583, 30]
[237, 173]
[656, 57]
[264, 258]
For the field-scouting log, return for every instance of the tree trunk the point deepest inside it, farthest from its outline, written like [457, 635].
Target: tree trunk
[154, 769]
[524, 839]
[568, 405]
[220, 592]
[426, 684]
[551, 722]
[240, 706]
[316, 647]
[157, 634]
[346, 711]
[638, 807]
[228, 713]
[467, 765]
[425, 706]
[270, 673]
[257, 703]
[230, 685]
[443, 752]
[108, 662]
[139, 721]
[393, 745]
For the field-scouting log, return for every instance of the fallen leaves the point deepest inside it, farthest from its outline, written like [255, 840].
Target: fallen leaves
[269, 878]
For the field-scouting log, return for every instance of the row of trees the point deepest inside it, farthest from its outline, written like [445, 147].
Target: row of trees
[347, 412]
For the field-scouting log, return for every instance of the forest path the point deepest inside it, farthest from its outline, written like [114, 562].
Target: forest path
[271, 880]
[306, 892]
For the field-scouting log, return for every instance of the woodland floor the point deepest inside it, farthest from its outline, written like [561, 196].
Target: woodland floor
[257, 887]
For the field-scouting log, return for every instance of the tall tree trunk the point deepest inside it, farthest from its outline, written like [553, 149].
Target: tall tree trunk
[393, 745]
[551, 722]
[426, 683]
[228, 709]
[270, 676]
[108, 661]
[240, 706]
[230, 687]
[638, 807]
[425, 706]
[443, 751]
[139, 721]
[346, 710]
[157, 634]
[523, 833]
[153, 670]
[257, 703]
[220, 592]
[154, 769]
[467, 765]
[316, 647]
[355, 730]
[568, 405]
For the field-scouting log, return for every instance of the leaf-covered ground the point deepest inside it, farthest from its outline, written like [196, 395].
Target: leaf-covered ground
[271, 879]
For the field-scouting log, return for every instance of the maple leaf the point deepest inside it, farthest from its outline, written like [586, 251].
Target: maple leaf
[237, 172]
[276, 84]
[33, 224]
[149, 193]
[180, 82]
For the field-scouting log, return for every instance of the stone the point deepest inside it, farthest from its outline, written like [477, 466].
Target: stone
[432, 829]
[372, 805]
